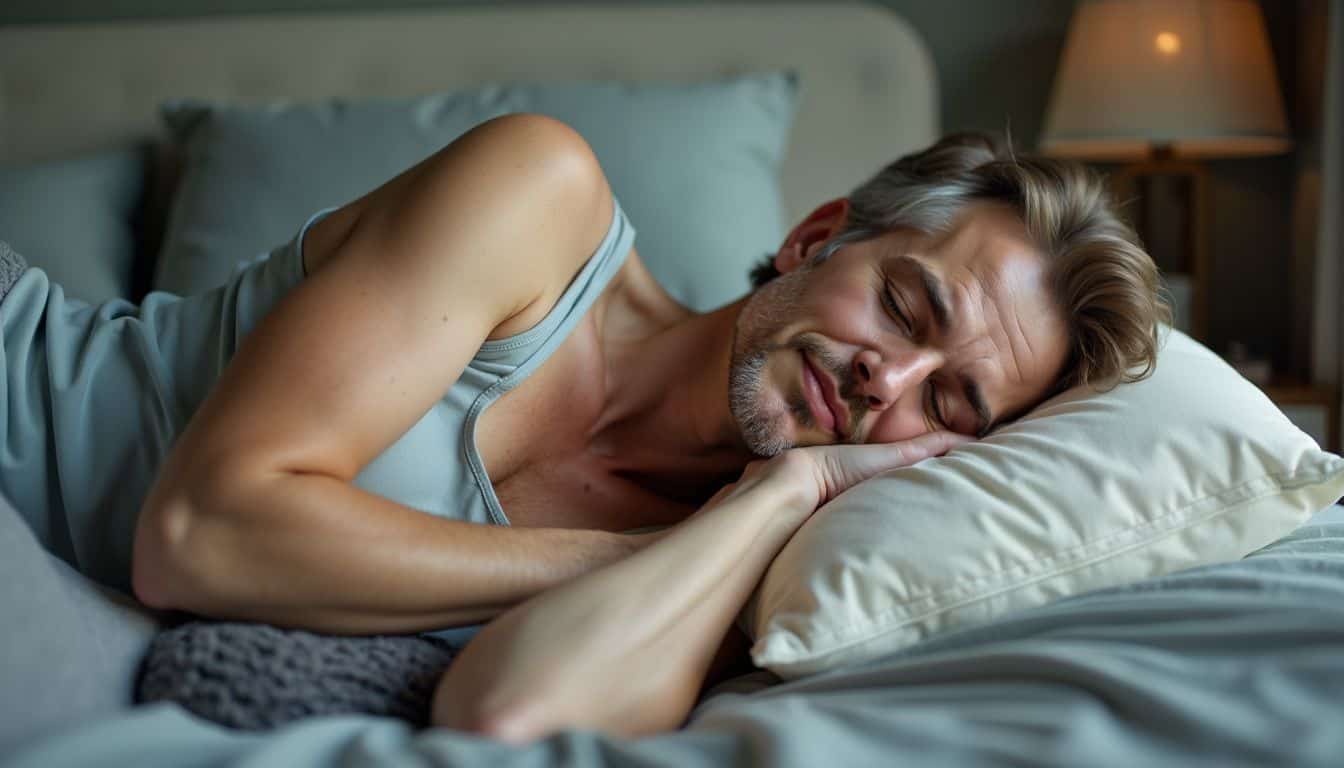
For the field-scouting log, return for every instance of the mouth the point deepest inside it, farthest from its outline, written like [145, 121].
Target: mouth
[820, 392]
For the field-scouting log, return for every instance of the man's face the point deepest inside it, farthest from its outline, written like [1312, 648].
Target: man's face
[897, 336]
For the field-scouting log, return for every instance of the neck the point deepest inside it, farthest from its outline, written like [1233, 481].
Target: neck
[666, 422]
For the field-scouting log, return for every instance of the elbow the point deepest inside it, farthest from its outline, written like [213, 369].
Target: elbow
[176, 561]
[513, 725]
[472, 696]
[157, 559]
[511, 728]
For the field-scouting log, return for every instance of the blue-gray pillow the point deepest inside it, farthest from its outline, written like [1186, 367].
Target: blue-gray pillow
[76, 219]
[695, 165]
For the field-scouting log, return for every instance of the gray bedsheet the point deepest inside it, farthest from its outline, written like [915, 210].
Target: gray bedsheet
[1233, 664]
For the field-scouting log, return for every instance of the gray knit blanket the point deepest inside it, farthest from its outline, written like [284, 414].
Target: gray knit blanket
[256, 676]
[11, 266]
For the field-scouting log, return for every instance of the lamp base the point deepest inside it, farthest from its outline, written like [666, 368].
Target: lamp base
[1167, 202]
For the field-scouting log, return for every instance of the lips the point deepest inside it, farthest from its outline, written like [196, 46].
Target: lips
[839, 417]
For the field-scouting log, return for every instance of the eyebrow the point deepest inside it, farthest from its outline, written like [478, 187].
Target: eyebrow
[936, 295]
[933, 291]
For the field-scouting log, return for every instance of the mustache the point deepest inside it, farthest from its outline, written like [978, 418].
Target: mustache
[846, 384]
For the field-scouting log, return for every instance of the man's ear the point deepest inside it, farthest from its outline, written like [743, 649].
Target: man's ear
[811, 233]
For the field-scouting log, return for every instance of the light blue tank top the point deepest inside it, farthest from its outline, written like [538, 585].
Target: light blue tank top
[93, 396]
[435, 466]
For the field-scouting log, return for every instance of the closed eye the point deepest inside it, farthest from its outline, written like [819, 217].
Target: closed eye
[936, 407]
[889, 299]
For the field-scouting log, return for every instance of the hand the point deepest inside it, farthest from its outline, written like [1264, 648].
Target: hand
[822, 472]
[836, 468]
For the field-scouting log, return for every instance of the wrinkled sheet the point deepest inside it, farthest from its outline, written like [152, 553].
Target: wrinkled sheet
[1233, 664]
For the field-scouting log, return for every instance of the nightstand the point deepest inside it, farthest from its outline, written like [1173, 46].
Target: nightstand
[1314, 409]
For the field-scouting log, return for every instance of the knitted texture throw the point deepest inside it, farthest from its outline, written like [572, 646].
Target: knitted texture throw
[256, 676]
[11, 266]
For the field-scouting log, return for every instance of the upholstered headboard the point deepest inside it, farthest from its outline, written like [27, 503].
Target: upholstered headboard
[868, 83]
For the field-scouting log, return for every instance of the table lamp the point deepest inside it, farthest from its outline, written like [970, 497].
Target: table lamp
[1160, 85]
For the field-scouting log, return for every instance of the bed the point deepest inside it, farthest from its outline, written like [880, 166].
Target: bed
[1235, 662]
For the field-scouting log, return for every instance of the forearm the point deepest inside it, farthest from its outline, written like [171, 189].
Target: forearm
[317, 553]
[624, 648]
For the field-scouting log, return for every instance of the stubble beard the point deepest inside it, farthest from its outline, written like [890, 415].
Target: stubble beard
[770, 308]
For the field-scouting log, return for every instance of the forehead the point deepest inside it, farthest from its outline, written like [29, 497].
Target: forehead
[985, 237]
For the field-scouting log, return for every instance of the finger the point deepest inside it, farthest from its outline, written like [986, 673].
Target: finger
[905, 452]
[846, 465]
[944, 441]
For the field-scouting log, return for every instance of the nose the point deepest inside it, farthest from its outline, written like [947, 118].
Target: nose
[883, 378]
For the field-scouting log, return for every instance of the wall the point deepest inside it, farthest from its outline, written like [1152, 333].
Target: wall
[999, 55]
[995, 59]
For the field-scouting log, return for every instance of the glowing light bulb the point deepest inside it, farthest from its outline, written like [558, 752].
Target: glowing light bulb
[1168, 43]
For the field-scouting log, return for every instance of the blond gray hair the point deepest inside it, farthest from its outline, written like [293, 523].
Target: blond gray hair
[1104, 281]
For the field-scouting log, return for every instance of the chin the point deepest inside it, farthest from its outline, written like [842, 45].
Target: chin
[784, 433]
[765, 425]
[766, 401]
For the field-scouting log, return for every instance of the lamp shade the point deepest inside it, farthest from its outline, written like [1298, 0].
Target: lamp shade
[1192, 76]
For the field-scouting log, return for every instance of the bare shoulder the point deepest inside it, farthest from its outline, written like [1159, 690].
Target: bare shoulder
[522, 179]
[403, 285]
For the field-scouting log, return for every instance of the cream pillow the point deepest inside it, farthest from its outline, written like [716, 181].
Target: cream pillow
[1190, 466]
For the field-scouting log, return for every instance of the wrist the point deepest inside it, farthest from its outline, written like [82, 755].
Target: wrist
[785, 497]
[793, 476]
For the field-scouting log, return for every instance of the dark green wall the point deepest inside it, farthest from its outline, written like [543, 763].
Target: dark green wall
[995, 60]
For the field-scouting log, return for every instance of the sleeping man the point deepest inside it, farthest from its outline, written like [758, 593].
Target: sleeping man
[607, 475]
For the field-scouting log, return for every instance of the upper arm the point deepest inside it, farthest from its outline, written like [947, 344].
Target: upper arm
[437, 259]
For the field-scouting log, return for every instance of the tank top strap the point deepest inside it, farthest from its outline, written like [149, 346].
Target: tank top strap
[502, 363]
[517, 355]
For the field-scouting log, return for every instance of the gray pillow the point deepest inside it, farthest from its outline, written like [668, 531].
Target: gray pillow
[694, 165]
[71, 649]
[76, 219]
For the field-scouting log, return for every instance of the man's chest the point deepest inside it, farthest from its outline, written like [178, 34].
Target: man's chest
[534, 443]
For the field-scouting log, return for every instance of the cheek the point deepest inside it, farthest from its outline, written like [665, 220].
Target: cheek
[849, 313]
